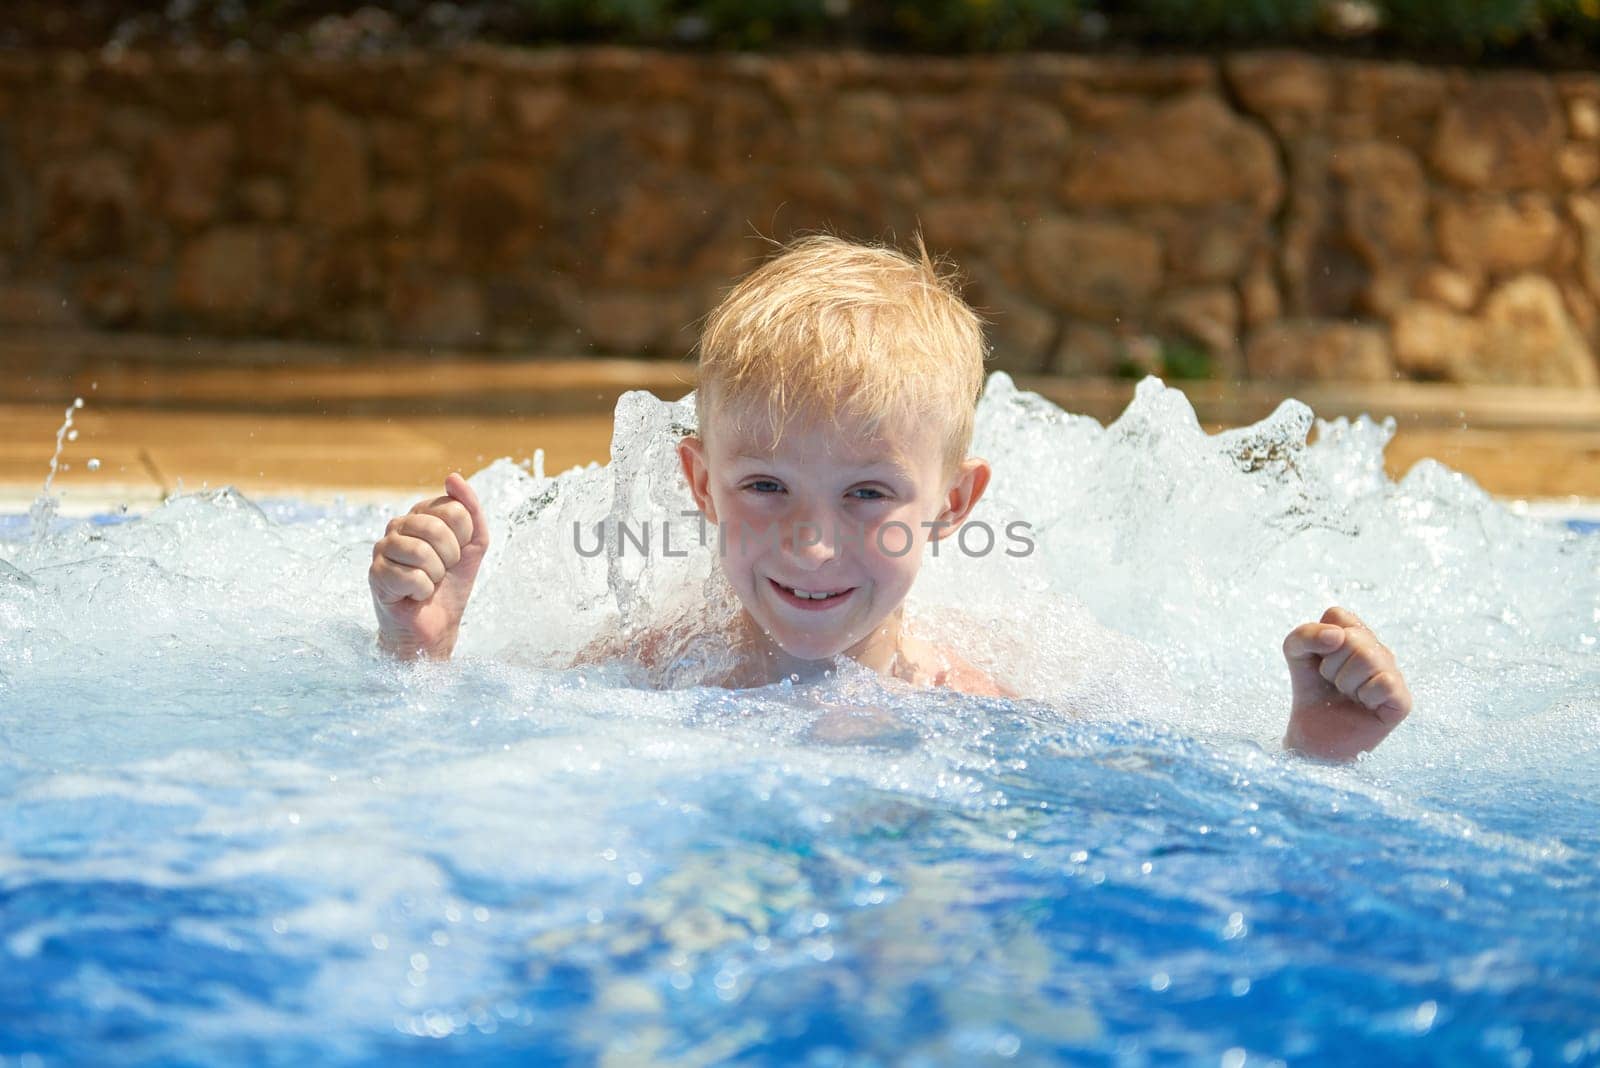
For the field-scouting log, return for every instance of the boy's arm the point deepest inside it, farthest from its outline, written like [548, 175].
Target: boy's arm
[965, 678]
[423, 569]
[1348, 691]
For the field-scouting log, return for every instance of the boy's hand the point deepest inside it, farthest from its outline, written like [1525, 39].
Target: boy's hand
[423, 569]
[1348, 693]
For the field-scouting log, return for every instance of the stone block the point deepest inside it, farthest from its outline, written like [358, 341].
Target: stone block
[110, 296]
[1455, 289]
[1028, 145]
[1259, 299]
[1101, 270]
[948, 138]
[268, 133]
[1433, 342]
[1583, 118]
[1290, 91]
[334, 186]
[488, 213]
[1384, 201]
[263, 198]
[1323, 350]
[972, 224]
[90, 207]
[189, 172]
[1148, 76]
[1395, 102]
[1524, 335]
[1498, 235]
[399, 147]
[748, 132]
[1192, 150]
[401, 205]
[862, 129]
[1530, 339]
[1578, 164]
[1501, 134]
[1585, 211]
[1213, 244]
[1091, 351]
[221, 277]
[1208, 315]
[1020, 331]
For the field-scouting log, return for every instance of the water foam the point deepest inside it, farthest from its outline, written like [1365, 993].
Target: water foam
[330, 844]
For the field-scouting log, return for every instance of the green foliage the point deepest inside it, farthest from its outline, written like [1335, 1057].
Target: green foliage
[1562, 32]
[754, 23]
[1172, 358]
[1471, 25]
[1574, 24]
[987, 25]
[1183, 359]
[1463, 28]
[1212, 19]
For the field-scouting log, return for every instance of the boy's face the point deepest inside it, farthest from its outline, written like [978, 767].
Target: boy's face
[824, 528]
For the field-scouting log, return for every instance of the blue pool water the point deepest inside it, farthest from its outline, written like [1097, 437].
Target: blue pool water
[231, 834]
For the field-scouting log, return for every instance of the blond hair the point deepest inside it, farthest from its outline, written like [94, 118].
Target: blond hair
[831, 328]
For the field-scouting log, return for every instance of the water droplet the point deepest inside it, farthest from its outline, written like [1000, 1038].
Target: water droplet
[77, 402]
[94, 464]
[72, 435]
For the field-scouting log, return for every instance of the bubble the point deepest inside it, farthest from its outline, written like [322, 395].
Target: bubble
[93, 464]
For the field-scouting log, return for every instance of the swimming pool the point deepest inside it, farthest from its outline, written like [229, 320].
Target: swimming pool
[230, 833]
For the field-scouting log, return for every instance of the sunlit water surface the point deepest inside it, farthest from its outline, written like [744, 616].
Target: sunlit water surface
[231, 833]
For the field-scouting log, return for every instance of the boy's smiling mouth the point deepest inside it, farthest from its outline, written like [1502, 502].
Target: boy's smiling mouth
[811, 600]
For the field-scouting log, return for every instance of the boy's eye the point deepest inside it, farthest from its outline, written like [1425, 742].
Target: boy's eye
[765, 485]
[868, 493]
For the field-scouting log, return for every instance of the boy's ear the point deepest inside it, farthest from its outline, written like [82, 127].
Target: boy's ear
[972, 478]
[692, 455]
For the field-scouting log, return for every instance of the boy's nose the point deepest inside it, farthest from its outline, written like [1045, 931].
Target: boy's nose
[810, 542]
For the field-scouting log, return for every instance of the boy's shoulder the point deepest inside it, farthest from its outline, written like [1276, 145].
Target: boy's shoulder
[922, 663]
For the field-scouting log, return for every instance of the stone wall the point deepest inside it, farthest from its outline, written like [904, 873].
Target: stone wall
[1290, 216]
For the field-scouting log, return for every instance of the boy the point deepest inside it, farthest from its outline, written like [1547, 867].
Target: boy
[836, 397]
